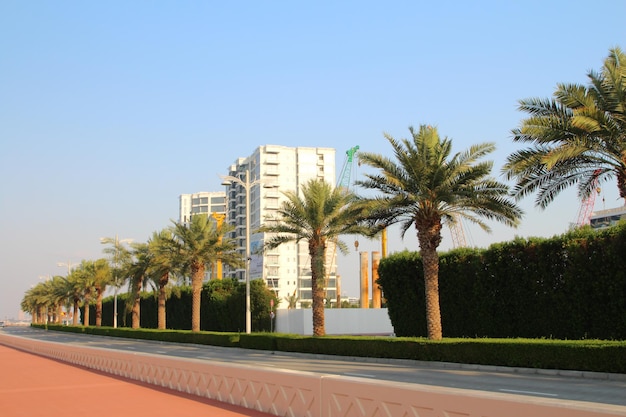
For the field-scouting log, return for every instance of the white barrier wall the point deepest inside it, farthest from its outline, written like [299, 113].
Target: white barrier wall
[303, 394]
[337, 321]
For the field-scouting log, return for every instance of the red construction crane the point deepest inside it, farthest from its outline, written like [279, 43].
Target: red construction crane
[586, 206]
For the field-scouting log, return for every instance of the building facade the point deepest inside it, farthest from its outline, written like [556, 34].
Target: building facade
[208, 204]
[270, 171]
[605, 218]
[200, 203]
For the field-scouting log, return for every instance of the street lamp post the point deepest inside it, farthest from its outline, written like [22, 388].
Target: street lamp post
[247, 184]
[69, 266]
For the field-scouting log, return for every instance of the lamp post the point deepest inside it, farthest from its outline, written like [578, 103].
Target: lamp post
[116, 253]
[69, 266]
[247, 184]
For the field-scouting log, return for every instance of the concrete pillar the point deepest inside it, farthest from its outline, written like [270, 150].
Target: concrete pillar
[365, 291]
[338, 284]
[376, 294]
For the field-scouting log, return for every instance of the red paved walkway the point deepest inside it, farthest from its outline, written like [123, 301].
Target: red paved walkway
[32, 385]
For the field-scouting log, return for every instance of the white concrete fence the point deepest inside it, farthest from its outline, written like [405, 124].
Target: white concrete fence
[337, 321]
[303, 394]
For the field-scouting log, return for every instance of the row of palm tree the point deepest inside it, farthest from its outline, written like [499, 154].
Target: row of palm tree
[46, 300]
[576, 138]
[180, 250]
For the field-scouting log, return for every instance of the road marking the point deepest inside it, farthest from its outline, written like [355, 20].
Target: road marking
[546, 394]
[361, 375]
[161, 352]
[203, 357]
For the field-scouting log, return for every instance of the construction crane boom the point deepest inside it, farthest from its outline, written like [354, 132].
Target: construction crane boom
[587, 205]
[346, 170]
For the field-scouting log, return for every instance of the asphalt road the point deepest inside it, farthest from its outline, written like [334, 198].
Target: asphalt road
[590, 387]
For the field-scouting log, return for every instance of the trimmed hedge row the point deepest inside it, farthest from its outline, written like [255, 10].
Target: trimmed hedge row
[586, 355]
[222, 307]
[571, 286]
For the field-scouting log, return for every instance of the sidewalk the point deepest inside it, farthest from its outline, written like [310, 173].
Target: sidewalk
[31, 385]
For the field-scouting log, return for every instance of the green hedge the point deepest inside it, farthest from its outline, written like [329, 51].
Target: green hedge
[222, 308]
[579, 355]
[571, 286]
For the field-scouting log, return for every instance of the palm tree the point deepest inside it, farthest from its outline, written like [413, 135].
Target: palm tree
[292, 301]
[85, 281]
[60, 291]
[426, 186]
[138, 270]
[319, 217]
[35, 301]
[198, 245]
[102, 277]
[76, 294]
[578, 137]
[164, 264]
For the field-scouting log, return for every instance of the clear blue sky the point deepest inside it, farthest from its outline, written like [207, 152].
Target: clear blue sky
[110, 110]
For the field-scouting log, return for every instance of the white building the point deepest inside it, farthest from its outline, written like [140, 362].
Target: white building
[200, 203]
[276, 169]
[204, 203]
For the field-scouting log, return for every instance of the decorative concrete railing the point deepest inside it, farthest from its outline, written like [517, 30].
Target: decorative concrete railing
[305, 394]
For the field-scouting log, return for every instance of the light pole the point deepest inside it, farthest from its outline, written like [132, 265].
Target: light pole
[116, 253]
[69, 266]
[228, 179]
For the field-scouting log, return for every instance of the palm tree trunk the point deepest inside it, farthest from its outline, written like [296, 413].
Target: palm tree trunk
[429, 237]
[59, 313]
[317, 288]
[161, 302]
[99, 296]
[197, 276]
[136, 311]
[76, 312]
[86, 315]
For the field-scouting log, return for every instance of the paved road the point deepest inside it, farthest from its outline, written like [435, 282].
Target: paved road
[597, 388]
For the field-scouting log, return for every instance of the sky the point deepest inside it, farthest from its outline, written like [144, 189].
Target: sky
[110, 110]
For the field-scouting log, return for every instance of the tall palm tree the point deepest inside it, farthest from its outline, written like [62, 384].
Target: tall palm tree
[577, 137]
[426, 186]
[319, 217]
[60, 290]
[76, 291]
[35, 301]
[200, 244]
[164, 263]
[138, 270]
[85, 280]
[102, 277]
